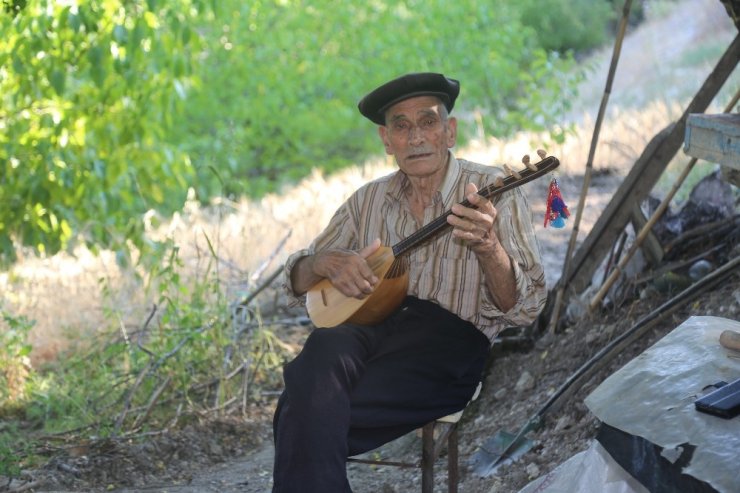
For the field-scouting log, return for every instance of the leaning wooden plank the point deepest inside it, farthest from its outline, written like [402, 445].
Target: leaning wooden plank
[641, 180]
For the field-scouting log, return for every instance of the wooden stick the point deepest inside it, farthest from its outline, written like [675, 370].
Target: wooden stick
[703, 230]
[589, 166]
[614, 256]
[679, 264]
[246, 301]
[130, 396]
[258, 272]
[152, 401]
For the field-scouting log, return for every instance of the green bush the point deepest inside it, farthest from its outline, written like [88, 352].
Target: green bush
[568, 25]
[280, 81]
[14, 362]
[194, 353]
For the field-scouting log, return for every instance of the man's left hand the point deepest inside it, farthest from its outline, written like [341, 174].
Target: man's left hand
[474, 224]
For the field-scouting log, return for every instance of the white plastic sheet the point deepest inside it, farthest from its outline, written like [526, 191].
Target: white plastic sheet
[590, 471]
[653, 396]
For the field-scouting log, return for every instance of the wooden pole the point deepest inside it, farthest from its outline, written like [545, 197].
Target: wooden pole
[590, 164]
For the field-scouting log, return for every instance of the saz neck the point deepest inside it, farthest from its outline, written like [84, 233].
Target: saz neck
[440, 224]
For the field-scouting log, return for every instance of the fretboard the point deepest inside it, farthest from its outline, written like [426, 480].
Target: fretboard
[440, 224]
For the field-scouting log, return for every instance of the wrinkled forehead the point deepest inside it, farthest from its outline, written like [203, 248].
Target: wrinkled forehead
[415, 107]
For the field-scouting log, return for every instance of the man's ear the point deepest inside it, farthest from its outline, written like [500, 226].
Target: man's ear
[451, 132]
[383, 132]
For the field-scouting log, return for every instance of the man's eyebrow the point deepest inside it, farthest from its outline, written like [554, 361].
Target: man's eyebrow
[397, 117]
[423, 113]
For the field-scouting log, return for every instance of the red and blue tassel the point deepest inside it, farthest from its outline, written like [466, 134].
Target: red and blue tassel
[557, 211]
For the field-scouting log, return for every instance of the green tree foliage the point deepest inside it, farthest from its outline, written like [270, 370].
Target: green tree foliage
[111, 108]
[88, 92]
[281, 80]
[570, 25]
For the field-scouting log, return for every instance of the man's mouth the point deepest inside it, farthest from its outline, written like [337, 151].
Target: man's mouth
[419, 155]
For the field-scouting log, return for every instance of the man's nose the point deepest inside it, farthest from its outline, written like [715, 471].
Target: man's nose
[416, 136]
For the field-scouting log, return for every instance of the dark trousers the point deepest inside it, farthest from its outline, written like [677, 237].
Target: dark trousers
[353, 388]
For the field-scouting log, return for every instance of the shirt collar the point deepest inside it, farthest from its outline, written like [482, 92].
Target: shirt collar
[449, 184]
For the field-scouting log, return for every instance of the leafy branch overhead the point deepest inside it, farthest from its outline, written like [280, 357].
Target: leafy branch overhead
[87, 102]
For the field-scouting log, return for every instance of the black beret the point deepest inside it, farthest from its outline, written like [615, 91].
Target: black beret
[374, 105]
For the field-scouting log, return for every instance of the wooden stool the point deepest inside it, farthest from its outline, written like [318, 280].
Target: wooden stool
[431, 447]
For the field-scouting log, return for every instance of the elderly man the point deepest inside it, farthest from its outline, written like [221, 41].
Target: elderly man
[355, 387]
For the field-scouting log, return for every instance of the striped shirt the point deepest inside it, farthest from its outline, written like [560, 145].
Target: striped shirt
[444, 269]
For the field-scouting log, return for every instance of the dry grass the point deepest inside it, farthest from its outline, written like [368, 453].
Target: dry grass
[64, 294]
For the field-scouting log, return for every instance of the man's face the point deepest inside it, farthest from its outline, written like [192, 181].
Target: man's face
[418, 133]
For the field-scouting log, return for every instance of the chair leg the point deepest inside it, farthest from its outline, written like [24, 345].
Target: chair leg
[427, 458]
[453, 473]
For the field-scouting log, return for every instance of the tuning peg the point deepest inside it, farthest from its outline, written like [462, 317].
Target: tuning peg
[498, 182]
[528, 164]
[512, 172]
[541, 153]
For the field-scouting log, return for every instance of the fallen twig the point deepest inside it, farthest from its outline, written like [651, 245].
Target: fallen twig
[221, 406]
[716, 227]
[245, 384]
[677, 265]
[152, 401]
[144, 329]
[300, 320]
[130, 396]
[246, 301]
[258, 272]
[215, 380]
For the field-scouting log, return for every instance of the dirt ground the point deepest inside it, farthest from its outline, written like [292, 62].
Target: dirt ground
[235, 454]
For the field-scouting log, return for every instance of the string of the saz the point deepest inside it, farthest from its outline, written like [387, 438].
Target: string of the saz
[436, 226]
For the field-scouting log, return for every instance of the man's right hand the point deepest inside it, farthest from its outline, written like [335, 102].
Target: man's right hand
[347, 270]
